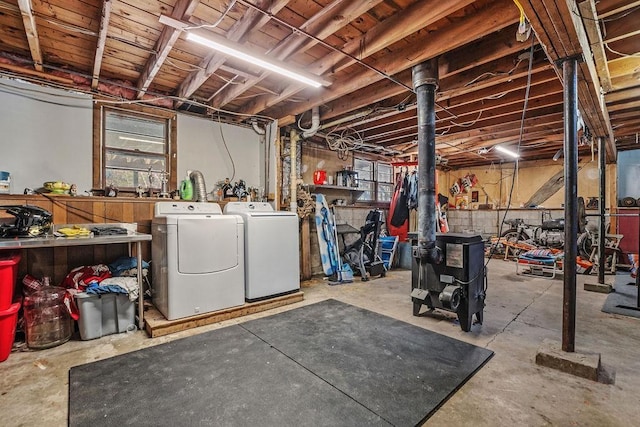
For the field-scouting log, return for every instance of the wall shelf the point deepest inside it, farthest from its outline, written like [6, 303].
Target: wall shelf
[337, 190]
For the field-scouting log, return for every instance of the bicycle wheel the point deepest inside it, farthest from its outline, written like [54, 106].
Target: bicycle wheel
[514, 236]
[585, 245]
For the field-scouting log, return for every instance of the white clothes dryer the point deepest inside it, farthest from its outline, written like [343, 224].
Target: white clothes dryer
[271, 248]
[198, 259]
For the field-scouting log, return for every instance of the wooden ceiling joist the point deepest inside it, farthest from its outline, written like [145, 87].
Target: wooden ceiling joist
[321, 25]
[182, 10]
[252, 20]
[457, 34]
[563, 36]
[102, 39]
[30, 29]
[386, 35]
[588, 11]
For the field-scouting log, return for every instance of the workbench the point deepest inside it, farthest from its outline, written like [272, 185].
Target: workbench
[50, 241]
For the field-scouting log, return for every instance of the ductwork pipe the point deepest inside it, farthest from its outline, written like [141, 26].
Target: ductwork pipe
[198, 185]
[315, 123]
[425, 83]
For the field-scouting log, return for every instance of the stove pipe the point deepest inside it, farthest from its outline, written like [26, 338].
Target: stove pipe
[425, 83]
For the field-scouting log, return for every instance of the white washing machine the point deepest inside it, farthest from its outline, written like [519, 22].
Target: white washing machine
[198, 259]
[271, 251]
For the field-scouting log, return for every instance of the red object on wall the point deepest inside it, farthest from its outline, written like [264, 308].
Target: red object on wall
[320, 177]
[628, 227]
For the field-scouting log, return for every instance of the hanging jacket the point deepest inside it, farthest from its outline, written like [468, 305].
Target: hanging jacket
[412, 191]
[401, 211]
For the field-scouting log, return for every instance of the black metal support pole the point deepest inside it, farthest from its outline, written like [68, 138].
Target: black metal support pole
[425, 81]
[569, 72]
[602, 230]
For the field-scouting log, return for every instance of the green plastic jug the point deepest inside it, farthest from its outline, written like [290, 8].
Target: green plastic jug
[186, 189]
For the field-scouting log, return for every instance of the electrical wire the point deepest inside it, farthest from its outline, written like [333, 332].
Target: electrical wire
[218, 21]
[318, 40]
[494, 73]
[468, 124]
[226, 147]
[624, 55]
[515, 163]
[158, 97]
[344, 142]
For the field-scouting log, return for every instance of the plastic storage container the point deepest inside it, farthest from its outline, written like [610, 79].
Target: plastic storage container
[8, 273]
[104, 314]
[8, 320]
[47, 320]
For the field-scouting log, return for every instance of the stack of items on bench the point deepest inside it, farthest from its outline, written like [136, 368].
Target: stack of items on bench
[100, 297]
[538, 261]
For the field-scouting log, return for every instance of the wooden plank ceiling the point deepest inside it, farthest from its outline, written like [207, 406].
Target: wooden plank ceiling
[366, 49]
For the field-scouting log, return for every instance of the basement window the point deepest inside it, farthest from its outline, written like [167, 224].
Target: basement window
[135, 150]
[375, 179]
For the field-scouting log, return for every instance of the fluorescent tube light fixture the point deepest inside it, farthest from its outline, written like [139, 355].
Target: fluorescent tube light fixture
[507, 151]
[226, 47]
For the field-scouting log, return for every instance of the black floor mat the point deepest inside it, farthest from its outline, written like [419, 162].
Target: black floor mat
[323, 364]
[624, 299]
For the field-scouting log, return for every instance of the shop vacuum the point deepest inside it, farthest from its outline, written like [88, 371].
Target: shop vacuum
[448, 269]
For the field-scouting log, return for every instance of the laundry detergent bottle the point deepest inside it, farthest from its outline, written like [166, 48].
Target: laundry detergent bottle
[186, 188]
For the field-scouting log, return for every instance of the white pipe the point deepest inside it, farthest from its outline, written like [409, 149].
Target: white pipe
[315, 123]
[256, 128]
[293, 177]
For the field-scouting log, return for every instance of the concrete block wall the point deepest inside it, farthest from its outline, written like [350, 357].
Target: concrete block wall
[487, 222]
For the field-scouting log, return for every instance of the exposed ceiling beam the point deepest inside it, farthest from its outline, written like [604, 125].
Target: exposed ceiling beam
[10, 7]
[561, 32]
[182, 10]
[620, 9]
[252, 20]
[321, 25]
[483, 22]
[421, 14]
[622, 95]
[622, 29]
[102, 39]
[590, 21]
[32, 33]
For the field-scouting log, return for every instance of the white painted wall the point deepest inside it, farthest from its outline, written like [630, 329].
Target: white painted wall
[45, 135]
[201, 146]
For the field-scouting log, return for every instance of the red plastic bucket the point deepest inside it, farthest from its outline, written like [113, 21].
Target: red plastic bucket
[8, 320]
[8, 274]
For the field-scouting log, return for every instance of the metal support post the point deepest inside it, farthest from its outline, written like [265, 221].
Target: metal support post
[569, 72]
[602, 230]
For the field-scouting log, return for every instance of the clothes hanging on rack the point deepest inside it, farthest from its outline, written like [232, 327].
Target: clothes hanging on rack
[403, 229]
[412, 191]
[401, 211]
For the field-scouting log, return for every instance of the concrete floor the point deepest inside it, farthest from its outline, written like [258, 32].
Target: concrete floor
[510, 390]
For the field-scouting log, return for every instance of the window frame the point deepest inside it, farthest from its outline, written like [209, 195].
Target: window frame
[100, 149]
[375, 201]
